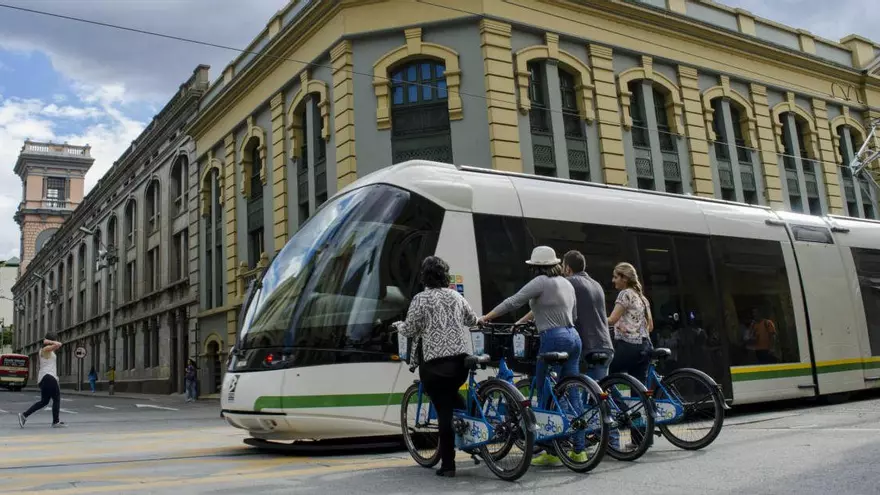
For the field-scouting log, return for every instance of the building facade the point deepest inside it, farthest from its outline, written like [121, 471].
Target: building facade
[118, 276]
[677, 96]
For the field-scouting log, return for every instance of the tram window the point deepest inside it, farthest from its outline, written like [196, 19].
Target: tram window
[867, 263]
[812, 234]
[502, 249]
[756, 300]
[603, 247]
[334, 294]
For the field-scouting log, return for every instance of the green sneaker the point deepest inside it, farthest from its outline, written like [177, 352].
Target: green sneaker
[546, 459]
[579, 457]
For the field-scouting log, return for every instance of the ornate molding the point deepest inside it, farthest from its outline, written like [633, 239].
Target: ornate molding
[205, 185]
[674, 107]
[789, 105]
[307, 87]
[254, 132]
[748, 123]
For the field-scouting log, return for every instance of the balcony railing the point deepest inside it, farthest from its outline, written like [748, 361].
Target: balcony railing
[55, 204]
[56, 149]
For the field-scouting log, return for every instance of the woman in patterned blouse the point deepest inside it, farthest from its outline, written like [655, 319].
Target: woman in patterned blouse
[632, 323]
[440, 319]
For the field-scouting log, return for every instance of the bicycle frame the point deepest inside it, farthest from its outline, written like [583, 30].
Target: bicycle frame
[667, 410]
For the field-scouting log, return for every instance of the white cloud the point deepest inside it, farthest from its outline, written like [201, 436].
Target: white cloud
[109, 133]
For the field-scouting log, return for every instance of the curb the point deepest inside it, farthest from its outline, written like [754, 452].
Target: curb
[124, 396]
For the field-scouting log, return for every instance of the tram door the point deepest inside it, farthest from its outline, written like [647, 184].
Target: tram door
[679, 280]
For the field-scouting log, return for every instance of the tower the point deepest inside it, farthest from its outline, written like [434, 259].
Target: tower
[53, 185]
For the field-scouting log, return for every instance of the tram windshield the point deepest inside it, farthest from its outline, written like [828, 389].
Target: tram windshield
[332, 292]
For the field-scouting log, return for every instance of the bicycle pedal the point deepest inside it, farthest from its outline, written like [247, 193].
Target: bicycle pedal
[475, 459]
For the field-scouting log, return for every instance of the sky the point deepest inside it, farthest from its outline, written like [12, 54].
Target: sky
[65, 81]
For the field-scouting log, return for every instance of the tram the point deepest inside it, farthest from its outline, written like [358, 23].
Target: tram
[773, 305]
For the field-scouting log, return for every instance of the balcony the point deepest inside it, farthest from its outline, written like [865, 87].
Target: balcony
[55, 204]
[56, 149]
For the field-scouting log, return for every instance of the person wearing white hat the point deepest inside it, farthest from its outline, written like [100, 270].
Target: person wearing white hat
[552, 300]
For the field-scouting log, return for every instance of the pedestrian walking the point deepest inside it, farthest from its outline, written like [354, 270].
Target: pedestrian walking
[111, 380]
[190, 380]
[93, 379]
[48, 381]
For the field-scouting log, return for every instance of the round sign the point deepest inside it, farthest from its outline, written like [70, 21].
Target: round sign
[80, 352]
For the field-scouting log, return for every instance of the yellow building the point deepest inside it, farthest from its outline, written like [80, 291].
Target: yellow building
[681, 96]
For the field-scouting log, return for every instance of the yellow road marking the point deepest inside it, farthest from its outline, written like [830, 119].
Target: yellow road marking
[38, 461]
[139, 484]
[78, 437]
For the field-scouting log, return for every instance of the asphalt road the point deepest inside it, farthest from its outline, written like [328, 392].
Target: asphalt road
[116, 445]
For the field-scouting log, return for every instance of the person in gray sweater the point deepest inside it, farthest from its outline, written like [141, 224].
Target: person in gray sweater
[591, 322]
[552, 300]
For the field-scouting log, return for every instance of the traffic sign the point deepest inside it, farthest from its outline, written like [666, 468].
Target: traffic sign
[80, 352]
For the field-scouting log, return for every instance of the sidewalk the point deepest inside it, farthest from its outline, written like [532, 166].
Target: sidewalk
[119, 395]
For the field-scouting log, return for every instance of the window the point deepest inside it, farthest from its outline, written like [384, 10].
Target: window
[81, 306]
[147, 345]
[502, 245]
[155, 343]
[419, 113]
[575, 135]
[647, 97]
[372, 242]
[125, 338]
[797, 158]
[130, 278]
[97, 295]
[756, 301]
[179, 256]
[130, 223]
[213, 245]
[81, 260]
[859, 195]
[152, 267]
[540, 121]
[302, 167]
[640, 137]
[153, 207]
[722, 152]
[668, 147]
[867, 263]
[256, 244]
[319, 147]
[55, 192]
[132, 346]
[179, 185]
[111, 232]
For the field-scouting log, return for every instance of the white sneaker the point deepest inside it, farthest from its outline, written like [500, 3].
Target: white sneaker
[59, 424]
[21, 420]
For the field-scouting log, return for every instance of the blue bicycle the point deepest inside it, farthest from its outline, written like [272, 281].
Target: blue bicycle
[573, 423]
[496, 419]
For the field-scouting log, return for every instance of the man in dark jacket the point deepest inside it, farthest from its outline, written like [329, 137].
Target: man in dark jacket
[592, 322]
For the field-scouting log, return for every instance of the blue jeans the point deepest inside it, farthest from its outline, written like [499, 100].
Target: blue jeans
[561, 339]
[598, 371]
[92, 384]
[191, 389]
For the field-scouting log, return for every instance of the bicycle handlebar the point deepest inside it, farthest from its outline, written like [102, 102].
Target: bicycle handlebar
[507, 328]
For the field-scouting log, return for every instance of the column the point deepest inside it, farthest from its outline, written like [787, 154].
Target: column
[608, 116]
[828, 160]
[231, 233]
[695, 126]
[279, 172]
[504, 145]
[343, 113]
[554, 102]
[731, 150]
[767, 146]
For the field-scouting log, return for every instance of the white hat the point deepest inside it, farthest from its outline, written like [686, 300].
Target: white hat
[543, 256]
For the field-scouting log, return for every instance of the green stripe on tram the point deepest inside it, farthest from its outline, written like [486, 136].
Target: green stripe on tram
[314, 401]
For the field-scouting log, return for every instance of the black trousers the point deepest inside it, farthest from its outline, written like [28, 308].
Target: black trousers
[442, 378]
[634, 359]
[49, 390]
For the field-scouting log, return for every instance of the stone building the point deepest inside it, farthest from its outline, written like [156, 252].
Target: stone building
[678, 96]
[118, 277]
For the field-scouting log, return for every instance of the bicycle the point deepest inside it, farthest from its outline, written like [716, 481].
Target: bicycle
[503, 415]
[575, 406]
[670, 407]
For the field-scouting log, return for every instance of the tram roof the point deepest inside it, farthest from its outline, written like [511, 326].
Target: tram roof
[483, 190]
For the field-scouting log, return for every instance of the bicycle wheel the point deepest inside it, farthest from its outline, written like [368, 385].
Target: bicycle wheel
[631, 409]
[514, 425]
[582, 404]
[700, 406]
[421, 434]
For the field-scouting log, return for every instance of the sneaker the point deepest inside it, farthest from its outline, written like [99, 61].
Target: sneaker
[21, 420]
[546, 459]
[59, 424]
[579, 457]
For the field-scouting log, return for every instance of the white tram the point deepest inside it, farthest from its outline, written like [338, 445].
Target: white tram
[773, 305]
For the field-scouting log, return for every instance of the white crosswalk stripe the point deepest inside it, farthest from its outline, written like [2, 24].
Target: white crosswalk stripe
[105, 407]
[156, 407]
[4, 412]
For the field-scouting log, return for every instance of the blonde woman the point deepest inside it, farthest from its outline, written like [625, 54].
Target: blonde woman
[632, 323]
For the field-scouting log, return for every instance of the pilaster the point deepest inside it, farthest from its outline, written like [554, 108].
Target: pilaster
[827, 158]
[279, 172]
[608, 116]
[694, 123]
[343, 113]
[504, 144]
[769, 157]
[231, 231]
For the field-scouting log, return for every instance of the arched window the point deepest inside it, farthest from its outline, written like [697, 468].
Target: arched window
[859, 196]
[130, 223]
[419, 112]
[733, 160]
[111, 232]
[798, 156]
[213, 246]
[153, 203]
[540, 121]
[256, 245]
[179, 185]
[81, 261]
[97, 295]
[81, 301]
[649, 106]
[575, 135]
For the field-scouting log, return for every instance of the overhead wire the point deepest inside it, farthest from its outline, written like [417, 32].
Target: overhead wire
[374, 76]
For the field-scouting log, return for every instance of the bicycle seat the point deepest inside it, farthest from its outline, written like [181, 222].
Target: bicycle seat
[597, 357]
[553, 357]
[661, 353]
[474, 361]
